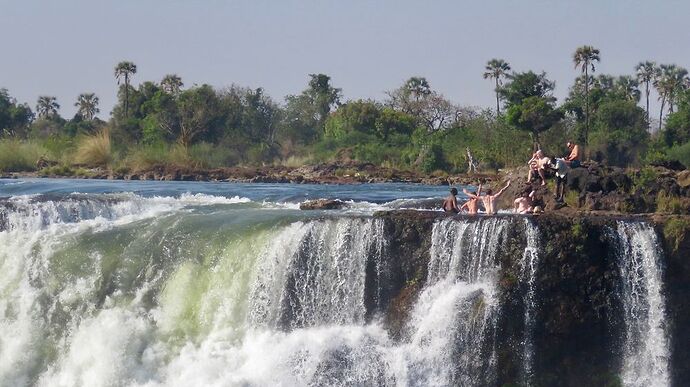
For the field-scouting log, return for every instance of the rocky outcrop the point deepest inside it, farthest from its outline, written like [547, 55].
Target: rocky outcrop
[578, 324]
[322, 204]
[595, 187]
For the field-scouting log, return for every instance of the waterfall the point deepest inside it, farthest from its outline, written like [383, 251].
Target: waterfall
[315, 273]
[453, 321]
[645, 348]
[529, 265]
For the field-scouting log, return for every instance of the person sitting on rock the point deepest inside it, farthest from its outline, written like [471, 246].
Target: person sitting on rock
[450, 204]
[489, 199]
[573, 159]
[472, 204]
[523, 204]
[538, 164]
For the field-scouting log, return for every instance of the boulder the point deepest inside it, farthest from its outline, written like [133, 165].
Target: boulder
[322, 204]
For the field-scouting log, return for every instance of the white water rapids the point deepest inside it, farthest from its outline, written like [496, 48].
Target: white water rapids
[130, 291]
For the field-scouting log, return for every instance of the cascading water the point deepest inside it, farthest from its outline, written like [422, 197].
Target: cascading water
[645, 351]
[529, 263]
[455, 316]
[120, 289]
[124, 290]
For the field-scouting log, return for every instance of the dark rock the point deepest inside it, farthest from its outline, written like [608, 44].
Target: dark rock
[322, 204]
[674, 165]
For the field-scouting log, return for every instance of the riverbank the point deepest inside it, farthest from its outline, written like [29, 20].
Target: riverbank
[327, 173]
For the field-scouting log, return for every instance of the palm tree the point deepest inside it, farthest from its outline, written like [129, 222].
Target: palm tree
[679, 79]
[123, 71]
[647, 72]
[496, 69]
[627, 87]
[584, 57]
[172, 83]
[669, 83]
[87, 105]
[47, 106]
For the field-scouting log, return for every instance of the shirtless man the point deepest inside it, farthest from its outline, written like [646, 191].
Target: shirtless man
[471, 204]
[450, 204]
[523, 204]
[489, 199]
[573, 159]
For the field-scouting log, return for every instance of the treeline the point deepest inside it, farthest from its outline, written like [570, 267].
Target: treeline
[414, 127]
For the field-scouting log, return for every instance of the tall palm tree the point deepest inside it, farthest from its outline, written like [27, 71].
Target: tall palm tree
[87, 105]
[647, 72]
[123, 71]
[172, 83]
[669, 83]
[496, 69]
[584, 58]
[47, 106]
[679, 79]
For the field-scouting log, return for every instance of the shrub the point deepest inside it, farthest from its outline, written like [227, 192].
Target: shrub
[94, 150]
[206, 155]
[19, 156]
[680, 153]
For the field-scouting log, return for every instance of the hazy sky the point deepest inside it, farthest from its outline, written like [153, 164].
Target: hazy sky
[67, 47]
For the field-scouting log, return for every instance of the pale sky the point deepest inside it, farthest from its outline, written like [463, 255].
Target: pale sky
[63, 48]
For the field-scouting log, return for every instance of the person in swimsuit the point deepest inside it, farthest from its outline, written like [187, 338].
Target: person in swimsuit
[450, 204]
[523, 204]
[489, 199]
[472, 203]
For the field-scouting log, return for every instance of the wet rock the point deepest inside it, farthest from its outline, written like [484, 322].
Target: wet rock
[322, 204]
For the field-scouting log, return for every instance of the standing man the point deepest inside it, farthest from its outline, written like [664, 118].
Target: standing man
[573, 159]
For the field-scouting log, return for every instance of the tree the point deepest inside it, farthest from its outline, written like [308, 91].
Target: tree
[47, 106]
[172, 84]
[534, 114]
[123, 72]
[677, 130]
[524, 85]
[87, 105]
[409, 97]
[647, 72]
[669, 84]
[584, 57]
[619, 132]
[497, 69]
[14, 117]
[323, 96]
[626, 87]
[197, 111]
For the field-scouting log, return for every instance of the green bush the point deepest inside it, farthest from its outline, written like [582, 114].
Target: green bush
[680, 153]
[207, 155]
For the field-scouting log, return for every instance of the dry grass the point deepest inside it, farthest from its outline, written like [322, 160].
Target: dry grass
[94, 150]
[20, 156]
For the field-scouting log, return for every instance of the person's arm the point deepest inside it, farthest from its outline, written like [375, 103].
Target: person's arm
[516, 204]
[502, 190]
[464, 207]
[479, 190]
[470, 194]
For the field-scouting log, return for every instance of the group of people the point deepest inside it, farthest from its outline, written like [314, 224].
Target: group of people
[527, 201]
[471, 206]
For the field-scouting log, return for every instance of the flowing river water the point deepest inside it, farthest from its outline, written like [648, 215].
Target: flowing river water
[217, 284]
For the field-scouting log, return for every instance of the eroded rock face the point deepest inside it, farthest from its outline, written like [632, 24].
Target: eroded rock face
[578, 317]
